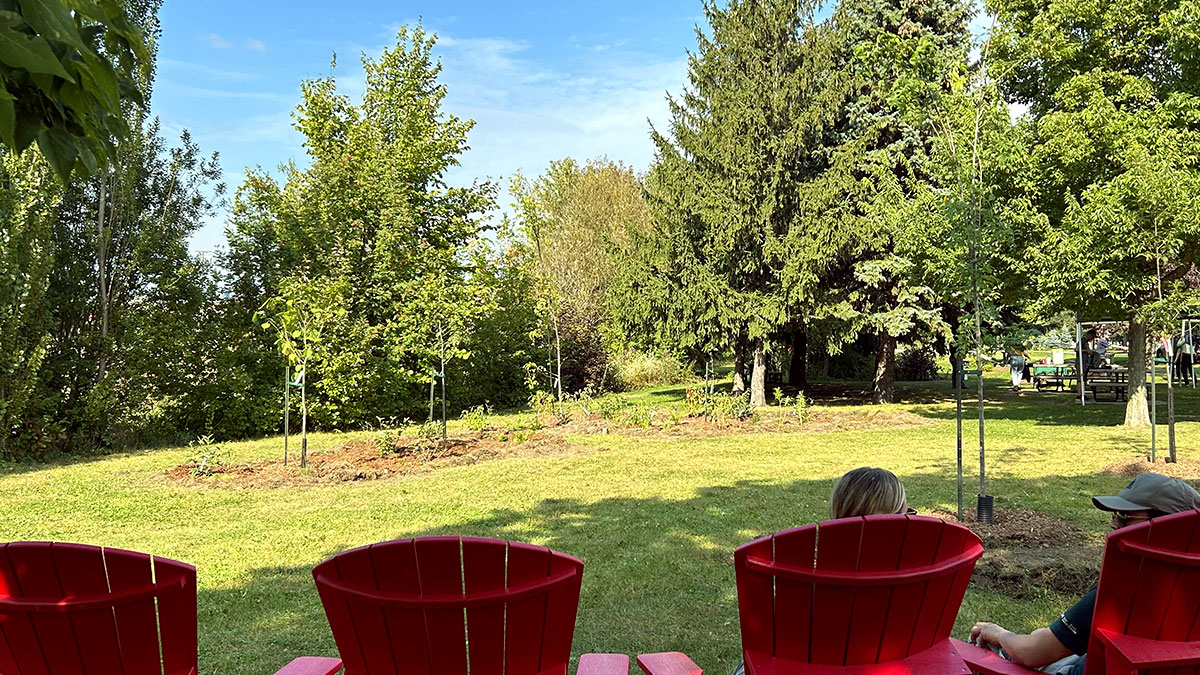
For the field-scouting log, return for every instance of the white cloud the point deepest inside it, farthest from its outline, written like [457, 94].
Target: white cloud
[205, 71]
[217, 42]
[256, 45]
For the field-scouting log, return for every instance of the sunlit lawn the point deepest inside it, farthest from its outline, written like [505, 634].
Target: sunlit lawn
[654, 520]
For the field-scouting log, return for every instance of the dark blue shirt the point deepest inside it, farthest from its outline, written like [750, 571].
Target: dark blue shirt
[1074, 627]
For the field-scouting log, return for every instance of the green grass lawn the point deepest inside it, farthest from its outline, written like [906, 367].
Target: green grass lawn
[655, 519]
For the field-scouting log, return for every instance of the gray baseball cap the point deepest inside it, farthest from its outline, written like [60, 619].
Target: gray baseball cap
[1152, 491]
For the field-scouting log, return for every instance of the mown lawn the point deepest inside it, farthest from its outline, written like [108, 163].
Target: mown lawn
[655, 519]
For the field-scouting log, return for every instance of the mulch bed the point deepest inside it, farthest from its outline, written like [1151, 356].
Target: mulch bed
[1184, 469]
[1027, 553]
[362, 461]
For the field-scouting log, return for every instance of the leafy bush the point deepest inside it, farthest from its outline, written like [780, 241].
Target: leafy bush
[641, 416]
[916, 364]
[476, 419]
[206, 456]
[430, 432]
[636, 370]
[731, 408]
[609, 407]
[801, 408]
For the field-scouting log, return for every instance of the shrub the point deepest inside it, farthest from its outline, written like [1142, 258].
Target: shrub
[916, 364]
[640, 416]
[206, 456]
[801, 408]
[386, 441]
[731, 408]
[636, 370]
[610, 406]
[476, 419]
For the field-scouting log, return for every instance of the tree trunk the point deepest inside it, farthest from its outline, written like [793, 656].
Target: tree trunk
[1170, 411]
[758, 380]
[955, 368]
[102, 259]
[739, 366]
[1137, 413]
[304, 418]
[557, 360]
[798, 368]
[882, 390]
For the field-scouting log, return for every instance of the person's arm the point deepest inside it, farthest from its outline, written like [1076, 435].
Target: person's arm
[1039, 648]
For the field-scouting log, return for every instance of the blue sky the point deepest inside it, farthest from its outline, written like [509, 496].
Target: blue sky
[543, 80]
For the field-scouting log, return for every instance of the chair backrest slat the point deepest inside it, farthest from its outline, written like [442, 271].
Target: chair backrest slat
[882, 543]
[38, 578]
[86, 609]
[526, 619]
[847, 612]
[484, 563]
[562, 604]
[81, 573]
[756, 597]
[366, 625]
[437, 605]
[833, 606]
[439, 569]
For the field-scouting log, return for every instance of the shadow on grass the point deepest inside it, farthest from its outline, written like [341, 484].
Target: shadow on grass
[658, 573]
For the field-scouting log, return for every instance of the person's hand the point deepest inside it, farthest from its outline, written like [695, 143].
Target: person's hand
[986, 634]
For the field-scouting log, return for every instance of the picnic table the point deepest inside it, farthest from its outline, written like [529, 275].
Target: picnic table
[1057, 376]
[1113, 381]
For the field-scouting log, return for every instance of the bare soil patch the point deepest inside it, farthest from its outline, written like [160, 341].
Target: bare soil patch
[820, 420]
[363, 461]
[1020, 528]
[1184, 469]
[1027, 552]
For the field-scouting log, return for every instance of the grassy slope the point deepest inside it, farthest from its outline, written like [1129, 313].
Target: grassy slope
[655, 521]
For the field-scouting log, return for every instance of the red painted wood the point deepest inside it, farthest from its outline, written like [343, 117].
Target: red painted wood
[526, 620]
[882, 543]
[986, 662]
[18, 640]
[921, 537]
[965, 544]
[39, 579]
[937, 591]
[756, 600]
[1147, 653]
[562, 605]
[311, 665]
[941, 659]
[484, 562]
[603, 664]
[81, 573]
[136, 621]
[177, 616]
[367, 623]
[793, 598]
[833, 607]
[439, 567]
[337, 612]
[395, 565]
[667, 663]
[84, 609]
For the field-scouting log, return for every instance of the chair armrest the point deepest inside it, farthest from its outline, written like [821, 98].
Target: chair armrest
[603, 664]
[987, 662]
[312, 665]
[667, 663]
[1143, 653]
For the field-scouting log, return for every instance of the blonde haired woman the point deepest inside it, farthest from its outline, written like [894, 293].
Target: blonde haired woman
[867, 491]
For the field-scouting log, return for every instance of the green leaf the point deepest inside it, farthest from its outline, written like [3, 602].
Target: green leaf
[60, 149]
[52, 20]
[26, 52]
[7, 117]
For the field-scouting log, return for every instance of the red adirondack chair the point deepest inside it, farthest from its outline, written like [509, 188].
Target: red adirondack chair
[70, 608]
[436, 604]
[857, 596]
[1147, 616]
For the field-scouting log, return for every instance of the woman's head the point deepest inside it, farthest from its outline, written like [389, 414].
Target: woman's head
[867, 491]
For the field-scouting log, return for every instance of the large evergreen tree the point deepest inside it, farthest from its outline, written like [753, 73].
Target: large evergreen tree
[741, 136]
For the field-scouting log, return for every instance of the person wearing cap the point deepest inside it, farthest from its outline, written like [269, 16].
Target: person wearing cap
[1061, 648]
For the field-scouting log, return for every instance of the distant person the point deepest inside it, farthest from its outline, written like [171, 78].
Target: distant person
[867, 491]
[1184, 357]
[1018, 364]
[1061, 648]
[1102, 345]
